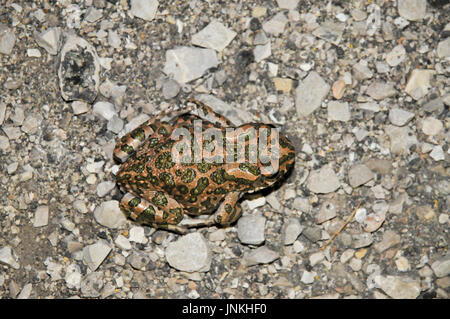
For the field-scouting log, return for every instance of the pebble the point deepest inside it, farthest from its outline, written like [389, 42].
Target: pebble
[170, 89]
[260, 255]
[443, 48]
[323, 181]
[390, 239]
[361, 70]
[291, 230]
[189, 253]
[359, 174]
[402, 138]
[50, 40]
[308, 277]
[122, 242]
[412, 10]
[283, 84]
[73, 276]
[379, 90]
[185, 64]
[313, 233]
[330, 31]
[7, 39]
[361, 240]
[250, 229]
[399, 117]
[93, 14]
[115, 124]
[396, 56]
[214, 36]
[399, 287]
[109, 214]
[4, 143]
[441, 267]
[402, 264]
[261, 52]
[25, 293]
[144, 9]
[355, 264]
[255, 203]
[276, 25]
[310, 94]
[217, 235]
[327, 211]
[93, 255]
[287, 4]
[138, 260]
[137, 234]
[33, 53]
[79, 107]
[347, 255]
[92, 284]
[338, 111]
[8, 257]
[41, 216]
[273, 201]
[418, 83]
[104, 109]
[53, 269]
[104, 188]
[431, 126]
[338, 89]
[114, 39]
[316, 258]
[437, 153]
[78, 60]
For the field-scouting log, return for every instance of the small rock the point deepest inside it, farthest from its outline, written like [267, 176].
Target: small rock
[138, 260]
[108, 214]
[390, 239]
[189, 253]
[41, 216]
[310, 94]
[122, 242]
[380, 90]
[49, 40]
[355, 264]
[308, 277]
[79, 107]
[115, 124]
[7, 39]
[92, 284]
[73, 276]
[437, 153]
[255, 203]
[283, 84]
[432, 126]
[323, 181]
[144, 9]
[217, 235]
[441, 267]
[347, 255]
[402, 264]
[260, 255]
[25, 292]
[34, 53]
[93, 14]
[8, 257]
[359, 174]
[104, 109]
[250, 229]
[443, 48]
[330, 31]
[291, 230]
[261, 38]
[104, 188]
[214, 36]
[170, 89]
[396, 56]
[275, 25]
[400, 117]
[53, 269]
[188, 63]
[137, 234]
[338, 89]
[402, 138]
[114, 39]
[327, 211]
[419, 83]
[361, 71]
[93, 255]
[261, 52]
[274, 202]
[313, 234]
[399, 287]
[413, 10]
[79, 70]
[315, 258]
[338, 111]
[362, 240]
[287, 4]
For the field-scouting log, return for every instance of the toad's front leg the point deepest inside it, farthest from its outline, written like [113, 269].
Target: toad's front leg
[162, 211]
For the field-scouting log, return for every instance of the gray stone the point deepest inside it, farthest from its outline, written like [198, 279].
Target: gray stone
[93, 14]
[144, 9]
[79, 107]
[260, 255]
[137, 234]
[261, 52]
[310, 94]
[104, 188]
[170, 88]
[108, 214]
[236, 115]
[13, 132]
[114, 39]
[291, 230]
[287, 4]
[8, 257]
[92, 284]
[390, 239]
[313, 234]
[275, 25]
[261, 38]
[79, 60]
[115, 124]
[359, 174]
[93, 255]
[189, 253]
[122, 242]
[308, 277]
[30, 125]
[73, 276]
[323, 181]
[338, 111]
[443, 48]
[398, 287]
[441, 267]
[138, 260]
[432, 126]
[402, 138]
[396, 56]
[437, 153]
[25, 293]
[327, 211]
[330, 31]
[361, 71]
[379, 90]
[50, 40]
[41, 216]
[250, 229]
[419, 83]
[214, 36]
[400, 117]
[361, 240]
[7, 39]
[413, 10]
[105, 110]
[188, 63]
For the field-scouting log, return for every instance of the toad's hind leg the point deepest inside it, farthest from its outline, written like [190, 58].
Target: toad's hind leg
[162, 212]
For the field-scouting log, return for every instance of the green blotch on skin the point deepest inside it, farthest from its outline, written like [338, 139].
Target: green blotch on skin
[127, 149]
[202, 183]
[138, 134]
[188, 175]
[159, 199]
[147, 216]
[253, 169]
[134, 202]
[164, 161]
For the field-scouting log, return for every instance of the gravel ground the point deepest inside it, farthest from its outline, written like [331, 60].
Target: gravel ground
[360, 87]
